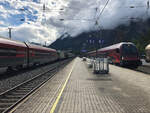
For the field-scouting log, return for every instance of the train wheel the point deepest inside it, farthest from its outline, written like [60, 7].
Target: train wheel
[9, 69]
[148, 61]
[121, 63]
[19, 67]
[133, 66]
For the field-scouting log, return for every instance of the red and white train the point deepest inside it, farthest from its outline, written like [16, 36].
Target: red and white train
[124, 54]
[18, 54]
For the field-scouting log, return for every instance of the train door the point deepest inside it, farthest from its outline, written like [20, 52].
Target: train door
[27, 58]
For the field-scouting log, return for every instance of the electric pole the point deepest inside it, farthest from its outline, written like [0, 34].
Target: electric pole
[9, 32]
[147, 7]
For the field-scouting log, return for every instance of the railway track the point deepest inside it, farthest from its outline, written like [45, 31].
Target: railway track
[143, 69]
[10, 98]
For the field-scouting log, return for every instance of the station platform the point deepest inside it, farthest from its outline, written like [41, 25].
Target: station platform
[75, 89]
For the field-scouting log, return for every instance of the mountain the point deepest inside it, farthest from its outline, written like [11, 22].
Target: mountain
[136, 32]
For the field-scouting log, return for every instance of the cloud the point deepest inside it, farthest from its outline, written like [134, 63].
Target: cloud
[78, 16]
[31, 33]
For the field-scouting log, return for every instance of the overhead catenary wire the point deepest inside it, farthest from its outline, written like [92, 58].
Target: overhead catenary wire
[101, 12]
[103, 9]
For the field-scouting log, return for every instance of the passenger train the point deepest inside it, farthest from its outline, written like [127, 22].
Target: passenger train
[147, 51]
[18, 54]
[124, 54]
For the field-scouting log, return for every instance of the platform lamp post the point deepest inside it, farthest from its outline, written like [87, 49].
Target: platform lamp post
[97, 36]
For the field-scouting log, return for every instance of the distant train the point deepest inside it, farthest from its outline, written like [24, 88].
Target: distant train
[147, 51]
[15, 54]
[124, 54]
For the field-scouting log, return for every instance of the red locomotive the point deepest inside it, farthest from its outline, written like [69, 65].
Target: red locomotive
[124, 54]
[19, 54]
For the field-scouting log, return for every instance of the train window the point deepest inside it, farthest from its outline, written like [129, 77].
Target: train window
[128, 49]
[12, 52]
[7, 52]
[41, 54]
[117, 50]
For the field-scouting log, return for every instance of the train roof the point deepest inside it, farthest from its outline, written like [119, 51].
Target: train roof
[37, 47]
[147, 47]
[7, 41]
[115, 46]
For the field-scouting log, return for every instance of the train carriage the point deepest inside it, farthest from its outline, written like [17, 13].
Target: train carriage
[12, 53]
[41, 55]
[124, 54]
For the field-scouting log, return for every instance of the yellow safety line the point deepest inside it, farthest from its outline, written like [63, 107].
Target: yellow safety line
[58, 97]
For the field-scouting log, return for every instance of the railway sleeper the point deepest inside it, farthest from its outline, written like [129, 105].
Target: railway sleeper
[15, 94]
[18, 93]
[5, 105]
[23, 90]
[2, 109]
[8, 100]
[12, 97]
[28, 86]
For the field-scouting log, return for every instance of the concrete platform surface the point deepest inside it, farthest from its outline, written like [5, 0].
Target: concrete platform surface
[76, 89]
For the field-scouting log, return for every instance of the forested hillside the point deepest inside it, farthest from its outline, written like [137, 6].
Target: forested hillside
[136, 32]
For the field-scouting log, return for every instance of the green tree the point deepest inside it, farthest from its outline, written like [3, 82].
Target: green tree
[142, 42]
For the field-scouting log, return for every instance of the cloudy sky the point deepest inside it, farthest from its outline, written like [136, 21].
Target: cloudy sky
[30, 23]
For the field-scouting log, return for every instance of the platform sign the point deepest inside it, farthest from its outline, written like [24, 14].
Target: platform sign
[84, 50]
[101, 41]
